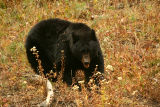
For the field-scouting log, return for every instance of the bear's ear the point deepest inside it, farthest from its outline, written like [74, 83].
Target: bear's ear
[93, 35]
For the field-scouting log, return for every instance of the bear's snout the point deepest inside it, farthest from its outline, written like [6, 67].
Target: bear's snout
[86, 60]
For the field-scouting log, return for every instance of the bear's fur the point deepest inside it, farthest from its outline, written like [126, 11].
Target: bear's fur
[79, 42]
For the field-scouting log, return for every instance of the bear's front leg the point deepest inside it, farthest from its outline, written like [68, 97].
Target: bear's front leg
[67, 76]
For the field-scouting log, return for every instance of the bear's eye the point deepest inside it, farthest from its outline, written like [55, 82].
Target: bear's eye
[82, 51]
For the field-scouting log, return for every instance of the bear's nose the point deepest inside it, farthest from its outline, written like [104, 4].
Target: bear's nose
[86, 60]
[86, 63]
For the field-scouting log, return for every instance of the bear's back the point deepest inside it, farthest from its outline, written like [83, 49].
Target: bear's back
[48, 29]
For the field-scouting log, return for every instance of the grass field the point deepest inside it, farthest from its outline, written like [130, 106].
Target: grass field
[129, 34]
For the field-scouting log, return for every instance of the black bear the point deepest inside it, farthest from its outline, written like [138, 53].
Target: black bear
[79, 42]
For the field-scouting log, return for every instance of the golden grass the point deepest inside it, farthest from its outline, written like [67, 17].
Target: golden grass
[129, 37]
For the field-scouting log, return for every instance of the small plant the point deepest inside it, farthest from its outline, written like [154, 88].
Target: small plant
[62, 65]
[40, 68]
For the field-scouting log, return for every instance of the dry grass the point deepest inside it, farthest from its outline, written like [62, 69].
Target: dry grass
[129, 34]
[19, 89]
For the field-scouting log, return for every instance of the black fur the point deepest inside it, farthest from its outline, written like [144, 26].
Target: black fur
[76, 39]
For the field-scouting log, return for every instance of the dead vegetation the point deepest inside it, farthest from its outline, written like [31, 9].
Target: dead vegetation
[18, 89]
[129, 36]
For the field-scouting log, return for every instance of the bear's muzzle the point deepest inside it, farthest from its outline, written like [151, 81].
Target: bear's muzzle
[86, 60]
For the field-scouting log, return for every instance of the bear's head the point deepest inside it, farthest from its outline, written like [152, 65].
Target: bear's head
[83, 43]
